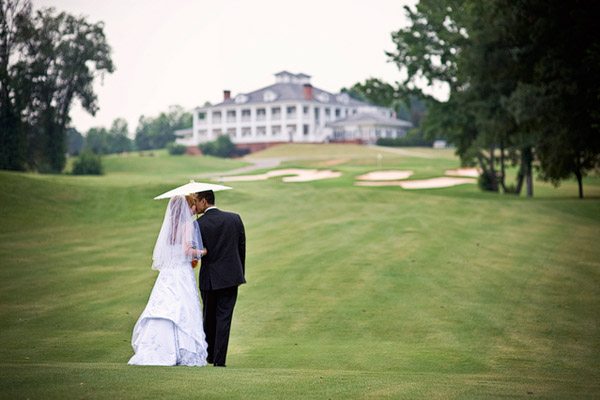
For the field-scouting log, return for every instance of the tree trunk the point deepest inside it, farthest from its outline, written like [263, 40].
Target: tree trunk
[525, 172]
[529, 183]
[579, 182]
[502, 168]
[493, 174]
[488, 173]
[519, 182]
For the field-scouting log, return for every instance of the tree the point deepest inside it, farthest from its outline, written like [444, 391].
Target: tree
[518, 87]
[118, 137]
[97, 140]
[406, 104]
[157, 132]
[374, 91]
[153, 133]
[558, 94]
[67, 53]
[75, 142]
[14, 21]
[59, 58]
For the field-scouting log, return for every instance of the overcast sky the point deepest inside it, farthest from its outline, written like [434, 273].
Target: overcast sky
[187, 51]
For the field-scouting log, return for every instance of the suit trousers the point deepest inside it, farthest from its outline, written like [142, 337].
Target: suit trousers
[217, 314]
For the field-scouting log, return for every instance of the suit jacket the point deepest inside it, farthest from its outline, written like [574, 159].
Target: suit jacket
[224, 238]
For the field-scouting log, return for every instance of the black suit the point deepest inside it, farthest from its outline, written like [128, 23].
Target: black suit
[222, 271]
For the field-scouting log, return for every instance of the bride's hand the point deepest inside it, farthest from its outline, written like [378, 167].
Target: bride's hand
[203, 252]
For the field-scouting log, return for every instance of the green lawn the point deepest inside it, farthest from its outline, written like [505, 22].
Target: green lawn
[353, 292]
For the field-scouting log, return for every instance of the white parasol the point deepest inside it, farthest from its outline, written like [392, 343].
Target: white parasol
[192, 187]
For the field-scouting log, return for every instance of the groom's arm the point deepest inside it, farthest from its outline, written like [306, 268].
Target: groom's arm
[242, 244]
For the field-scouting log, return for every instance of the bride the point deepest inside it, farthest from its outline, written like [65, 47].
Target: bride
[169, 331]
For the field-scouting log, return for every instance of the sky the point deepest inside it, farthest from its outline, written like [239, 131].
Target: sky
[186, 52]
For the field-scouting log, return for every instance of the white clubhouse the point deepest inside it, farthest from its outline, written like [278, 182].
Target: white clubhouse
[291, 110]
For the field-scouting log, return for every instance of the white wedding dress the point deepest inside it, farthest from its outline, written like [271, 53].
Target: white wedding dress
[169, 331]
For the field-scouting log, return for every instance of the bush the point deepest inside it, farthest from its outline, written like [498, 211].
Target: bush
[175, 149]
[222, 147]
[88, 163]
[488, 182]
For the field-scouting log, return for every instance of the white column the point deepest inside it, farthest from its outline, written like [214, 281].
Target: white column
[299, 128]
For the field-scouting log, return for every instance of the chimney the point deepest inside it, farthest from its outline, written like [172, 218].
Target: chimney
[226, 94]
[308, 91]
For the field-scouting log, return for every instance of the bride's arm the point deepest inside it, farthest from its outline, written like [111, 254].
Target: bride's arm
[188, 247]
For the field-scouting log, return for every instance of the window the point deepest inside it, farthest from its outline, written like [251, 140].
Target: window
[217, 132]
[202, 132]
[216, 116]
[305, 129]
[276, 130]
[337, 112]
[231, 114]
[291, 129]
[291, 111]
[246, 131]
[201, 115]
[323, 97]
[261, 114]
[305, 110]
[246, 115]
[317, 114]
[343, 98]
[261, 131]
[269, 95]
[241, 98]
[276, 113]
[231, 132]
[327, 114]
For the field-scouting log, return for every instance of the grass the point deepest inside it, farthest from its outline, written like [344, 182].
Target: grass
[352, 292]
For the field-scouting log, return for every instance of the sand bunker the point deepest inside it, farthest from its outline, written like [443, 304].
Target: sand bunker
[298, 175]
[466, 172]
[313, 176]
[385, 175]
[422, 184]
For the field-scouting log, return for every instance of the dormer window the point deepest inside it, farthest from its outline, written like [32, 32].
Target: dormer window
[343, 98]
[323, 97]
[269, 95]
[241, 98]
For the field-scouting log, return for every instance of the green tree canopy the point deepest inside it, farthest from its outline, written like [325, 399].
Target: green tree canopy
[118, 137]
[96, 140]
[157, 132]
[75, 141]
[523, 81]
[47, 60]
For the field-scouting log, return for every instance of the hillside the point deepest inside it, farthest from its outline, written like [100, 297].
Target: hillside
[353, 292]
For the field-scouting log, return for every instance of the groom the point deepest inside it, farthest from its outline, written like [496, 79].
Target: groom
[223, 269]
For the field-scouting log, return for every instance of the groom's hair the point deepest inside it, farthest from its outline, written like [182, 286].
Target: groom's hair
[209, 195]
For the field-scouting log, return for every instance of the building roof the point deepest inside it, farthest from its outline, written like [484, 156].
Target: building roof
[369, 119]
[293, 92]
[300, 75]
